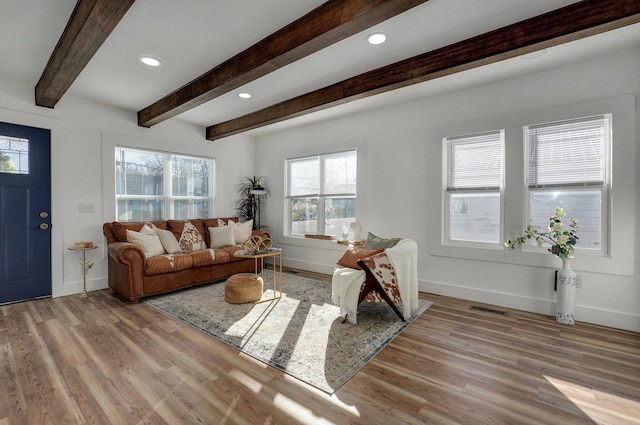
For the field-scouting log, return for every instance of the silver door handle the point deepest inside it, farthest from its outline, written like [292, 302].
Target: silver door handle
[44, 226]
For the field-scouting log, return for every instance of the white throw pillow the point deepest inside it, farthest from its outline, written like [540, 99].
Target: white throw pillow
[221, 236]
[148, 240]
[242, 231]
[168, 240]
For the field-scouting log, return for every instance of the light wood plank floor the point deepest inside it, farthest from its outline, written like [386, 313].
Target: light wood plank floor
[101, 361]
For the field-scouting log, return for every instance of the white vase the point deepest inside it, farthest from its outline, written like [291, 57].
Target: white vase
[566, 294]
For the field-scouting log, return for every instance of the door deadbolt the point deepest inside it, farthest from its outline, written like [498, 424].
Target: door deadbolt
[44, 214]
[44, 226]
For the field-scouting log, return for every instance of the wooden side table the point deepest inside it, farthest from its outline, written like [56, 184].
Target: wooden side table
[276, 254]
[86, 265]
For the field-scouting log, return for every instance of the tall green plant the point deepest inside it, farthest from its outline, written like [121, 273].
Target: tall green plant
[248, 205]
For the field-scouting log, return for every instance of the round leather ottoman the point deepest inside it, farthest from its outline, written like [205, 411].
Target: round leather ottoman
[243, 288]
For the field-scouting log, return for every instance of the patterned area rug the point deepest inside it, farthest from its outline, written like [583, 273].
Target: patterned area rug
[300, 334]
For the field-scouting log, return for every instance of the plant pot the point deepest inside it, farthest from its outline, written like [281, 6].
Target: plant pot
[566, 294]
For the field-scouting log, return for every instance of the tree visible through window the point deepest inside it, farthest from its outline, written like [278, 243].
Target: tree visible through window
[321, 193]
[144, 193]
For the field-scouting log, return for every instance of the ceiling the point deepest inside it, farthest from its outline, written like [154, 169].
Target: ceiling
[191, 37]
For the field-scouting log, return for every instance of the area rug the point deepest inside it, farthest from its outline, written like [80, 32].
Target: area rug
[300, 334]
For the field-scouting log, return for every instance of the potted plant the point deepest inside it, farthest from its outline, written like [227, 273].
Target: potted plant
[252, 193]
[562, 241]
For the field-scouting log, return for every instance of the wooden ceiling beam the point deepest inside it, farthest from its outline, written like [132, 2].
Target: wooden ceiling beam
[89, 26]
[331, 22]
[573, 22]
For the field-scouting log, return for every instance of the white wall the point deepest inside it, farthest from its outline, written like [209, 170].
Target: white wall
[83, 135]
[399, 188]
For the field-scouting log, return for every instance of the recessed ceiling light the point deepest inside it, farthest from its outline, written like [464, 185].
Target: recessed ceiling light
[148, 60]
[377, 38]
[244, 95]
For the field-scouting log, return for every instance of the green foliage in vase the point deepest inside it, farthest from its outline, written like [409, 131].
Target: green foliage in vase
[561, 239]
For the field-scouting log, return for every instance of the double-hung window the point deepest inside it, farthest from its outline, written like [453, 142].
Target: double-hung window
[158, 185]
[567, 166]
[473, 186]
[321, 193]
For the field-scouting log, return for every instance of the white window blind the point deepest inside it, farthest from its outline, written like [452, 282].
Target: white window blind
[474, 162]
[473, 188]
[567, 166]
[571, 153]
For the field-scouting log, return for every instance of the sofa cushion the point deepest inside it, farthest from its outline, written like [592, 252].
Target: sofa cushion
[120, 229]
[191, 239]
[242, 231]
[353, 254]
[221, 236]
[146, 239]
[207, 257]
[169, 242]
[167, 263]
[215, 222]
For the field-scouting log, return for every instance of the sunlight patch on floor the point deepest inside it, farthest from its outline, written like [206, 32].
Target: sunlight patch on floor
[596, 404]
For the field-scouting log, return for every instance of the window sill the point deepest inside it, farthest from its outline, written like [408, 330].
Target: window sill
[330, 245]
[584, 262]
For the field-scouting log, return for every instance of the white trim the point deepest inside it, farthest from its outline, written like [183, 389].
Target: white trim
[583, 313]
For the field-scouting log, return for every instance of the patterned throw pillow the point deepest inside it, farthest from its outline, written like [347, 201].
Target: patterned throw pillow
[221, 236]
[191, 239]
[146, 239]
[242, 231]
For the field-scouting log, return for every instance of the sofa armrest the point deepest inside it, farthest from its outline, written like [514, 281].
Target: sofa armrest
[126, 270]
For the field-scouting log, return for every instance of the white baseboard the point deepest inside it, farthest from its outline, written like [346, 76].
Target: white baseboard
[583, 313]
[75, 287]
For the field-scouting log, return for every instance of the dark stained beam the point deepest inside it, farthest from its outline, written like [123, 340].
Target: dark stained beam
[333, 21]
[89, 26]
[573, 22]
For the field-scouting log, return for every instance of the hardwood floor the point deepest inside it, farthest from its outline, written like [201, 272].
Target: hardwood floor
[102, 361]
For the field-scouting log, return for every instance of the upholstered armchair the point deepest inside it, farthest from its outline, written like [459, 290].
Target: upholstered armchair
[377, 275]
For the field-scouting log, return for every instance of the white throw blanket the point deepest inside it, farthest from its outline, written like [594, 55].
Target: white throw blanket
[346, 282]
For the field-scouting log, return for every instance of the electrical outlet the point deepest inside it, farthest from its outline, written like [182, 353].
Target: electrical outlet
[578, 281]
[86, 208]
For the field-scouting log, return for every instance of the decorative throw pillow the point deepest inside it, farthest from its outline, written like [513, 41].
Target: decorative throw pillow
[168, 240]
[191, 239]
[242, 231]
[146, 239]
[376, 242]
[353, 254]
[221, 236]
[223, 223]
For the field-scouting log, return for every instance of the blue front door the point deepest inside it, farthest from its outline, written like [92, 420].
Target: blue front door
[25, 213]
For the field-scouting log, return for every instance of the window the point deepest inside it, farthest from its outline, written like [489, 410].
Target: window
[14, 155]
[321, 193]
[143, 191]
[567, 166]
[473, 174]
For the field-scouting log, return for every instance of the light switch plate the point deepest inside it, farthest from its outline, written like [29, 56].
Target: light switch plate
[86, 208]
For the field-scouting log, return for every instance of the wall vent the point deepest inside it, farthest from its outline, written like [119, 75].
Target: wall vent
[488, 310]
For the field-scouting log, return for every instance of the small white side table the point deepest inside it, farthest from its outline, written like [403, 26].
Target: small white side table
[85, 267]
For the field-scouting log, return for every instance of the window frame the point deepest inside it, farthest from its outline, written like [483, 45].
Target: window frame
[169, 200]
[604, 187]
[320, 196]
[448, 191]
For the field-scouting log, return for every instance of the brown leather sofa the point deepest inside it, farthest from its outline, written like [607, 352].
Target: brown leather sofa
[133, 276]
